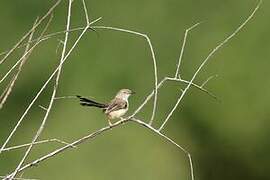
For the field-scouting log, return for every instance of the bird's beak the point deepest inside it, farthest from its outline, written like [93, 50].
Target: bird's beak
[132, 92]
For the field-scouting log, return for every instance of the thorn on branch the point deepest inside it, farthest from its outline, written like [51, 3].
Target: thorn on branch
[42, 107]
[207, 80]
[182, 90]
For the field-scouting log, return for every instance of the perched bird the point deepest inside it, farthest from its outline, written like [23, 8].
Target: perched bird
[116, 108]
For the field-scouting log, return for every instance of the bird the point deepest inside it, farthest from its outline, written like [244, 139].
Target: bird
[115, 109]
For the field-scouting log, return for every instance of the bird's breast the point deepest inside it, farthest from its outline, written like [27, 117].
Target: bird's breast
[117, 114]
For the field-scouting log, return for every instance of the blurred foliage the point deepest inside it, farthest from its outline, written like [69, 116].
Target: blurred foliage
[227, 139]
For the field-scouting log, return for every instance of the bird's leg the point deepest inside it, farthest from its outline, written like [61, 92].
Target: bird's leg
[110, 123]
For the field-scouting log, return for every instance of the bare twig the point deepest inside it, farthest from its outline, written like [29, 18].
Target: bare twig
[18, 178]
[206, 60]
[51, 35]
[43, 87]
[207, 80]
[58, 98]
[12, 83]
[37, 142]
[25, 54]
[153, 58]
[8, 90]
[30, 31]
[182, 49]
[85, 12]
[75, 143]
[160, 85]
[170, 141]
[201, 88]
[42, 107]
[46, 37]
[21, 167]
[101, 131]
[66, 97]
[39, 131]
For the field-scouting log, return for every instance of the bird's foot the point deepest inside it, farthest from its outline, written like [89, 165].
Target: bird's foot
[110, 123]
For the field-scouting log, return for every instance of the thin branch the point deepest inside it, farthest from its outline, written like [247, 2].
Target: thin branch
[75, 143]
[43, 87]
[129, 119]
[38, 142]
[100, 132]
[30, 31]
[160, 85]
[58, 98]
[207, 80]
[153, 58]
[12, 83]
[206, 60]
[42, 107]
[85, 12]
[65, 97]
[183, 48]
[9, 87]
[201, 88]
[48, 36]
[39, 131]
[25, 54]
[170, 141]
[18, 178]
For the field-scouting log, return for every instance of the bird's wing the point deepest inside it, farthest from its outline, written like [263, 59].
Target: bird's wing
[116, 104]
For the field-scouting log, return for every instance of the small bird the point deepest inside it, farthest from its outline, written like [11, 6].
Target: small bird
[116, 108]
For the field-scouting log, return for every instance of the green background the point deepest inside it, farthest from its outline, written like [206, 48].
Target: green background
[227, 139]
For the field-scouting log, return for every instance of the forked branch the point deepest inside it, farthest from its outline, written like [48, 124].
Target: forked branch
[30, 31]
[36, 143]
[132, 118]
[44, 86]
[205, 61]
[153, 58]
[183, 49]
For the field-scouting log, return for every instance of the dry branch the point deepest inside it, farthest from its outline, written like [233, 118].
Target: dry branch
[27, 53]
[37, 142]
[44, 86]
[182, 50]
[8, 89]
[39, 131]
[160, 84]
[30, 31]
[17, 63]
[132, 118]
[18, 178]
[101, 131]
[153, 58]
[205, 61]
[51, 35]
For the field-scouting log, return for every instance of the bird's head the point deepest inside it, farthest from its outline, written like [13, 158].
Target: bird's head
[124, 94]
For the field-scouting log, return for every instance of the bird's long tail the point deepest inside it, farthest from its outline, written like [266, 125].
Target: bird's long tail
[88, 102]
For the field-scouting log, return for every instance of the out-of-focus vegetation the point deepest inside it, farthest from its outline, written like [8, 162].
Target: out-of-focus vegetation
[227, 139]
